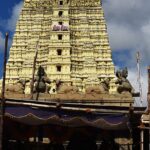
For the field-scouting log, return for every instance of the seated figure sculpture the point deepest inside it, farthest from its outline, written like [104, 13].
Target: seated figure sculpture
[18, 87]
[102, 88]
[40, 81]
[64, 88]
[123, 83]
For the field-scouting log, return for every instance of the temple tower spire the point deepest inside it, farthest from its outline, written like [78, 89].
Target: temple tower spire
[73, 42]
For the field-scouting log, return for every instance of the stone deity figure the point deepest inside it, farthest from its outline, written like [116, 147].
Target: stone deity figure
[123, 83]
[40, 81]
[18, 87]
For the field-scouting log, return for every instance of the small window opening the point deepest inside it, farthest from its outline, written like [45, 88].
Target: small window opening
[59, 52]
[60, 2]
[59, 36]
[58, 68]
[60, 23]
[60, 13]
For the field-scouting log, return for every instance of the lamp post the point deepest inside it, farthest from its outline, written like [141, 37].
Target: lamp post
[33, 71]
[2, 109]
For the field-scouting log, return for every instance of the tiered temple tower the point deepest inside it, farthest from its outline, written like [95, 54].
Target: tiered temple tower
[71, 39]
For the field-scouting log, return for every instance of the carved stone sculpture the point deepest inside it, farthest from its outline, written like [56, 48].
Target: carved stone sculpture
[99, 89]
[40, 81]
[106, 85]
[123, 83]
[18, 87]
[64, 89]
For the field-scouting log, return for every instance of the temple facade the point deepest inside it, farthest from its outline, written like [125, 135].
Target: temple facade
[71, 39]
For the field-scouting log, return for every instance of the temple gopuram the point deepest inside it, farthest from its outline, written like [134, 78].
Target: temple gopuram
[62, 90]
[71, 39]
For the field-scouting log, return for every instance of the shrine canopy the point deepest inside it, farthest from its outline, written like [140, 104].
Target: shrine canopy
[38, 116]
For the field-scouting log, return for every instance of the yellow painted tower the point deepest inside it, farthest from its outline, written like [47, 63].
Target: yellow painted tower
[72, 42]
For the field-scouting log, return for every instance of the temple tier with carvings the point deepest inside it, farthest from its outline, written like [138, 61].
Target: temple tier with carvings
[71, 39]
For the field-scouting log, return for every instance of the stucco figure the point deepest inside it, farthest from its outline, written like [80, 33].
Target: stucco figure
[40, 81]
[99, 89]
[124, 84]
[18, 87]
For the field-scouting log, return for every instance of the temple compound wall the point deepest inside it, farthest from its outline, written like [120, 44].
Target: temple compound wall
[72, 42]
